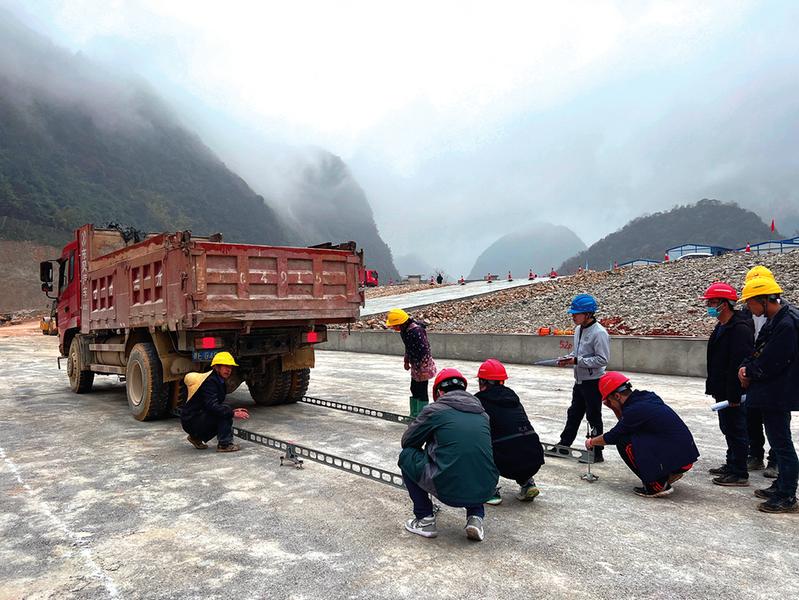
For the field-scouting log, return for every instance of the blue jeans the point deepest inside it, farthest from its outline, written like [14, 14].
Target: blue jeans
[778, 431]
[423, 506]
[732, 422]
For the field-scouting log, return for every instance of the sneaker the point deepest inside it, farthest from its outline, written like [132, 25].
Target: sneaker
[228, 448]
[528, 491]
[199, 444]
[722, 470]
[644, 493]
[474, 528]
[779, 505]
[731, 480]
[755, 464]
[495, 499]
[771, 471]
[675, 477]
[426, 527]
[767, 493]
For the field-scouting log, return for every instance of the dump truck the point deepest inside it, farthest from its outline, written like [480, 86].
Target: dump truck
[151, 311]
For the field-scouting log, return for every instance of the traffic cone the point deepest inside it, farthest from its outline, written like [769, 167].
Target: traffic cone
[748, 249]
[510, 277]
[530, 276]
[666, 257]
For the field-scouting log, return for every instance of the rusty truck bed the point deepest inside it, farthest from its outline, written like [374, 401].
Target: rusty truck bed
[177, 282]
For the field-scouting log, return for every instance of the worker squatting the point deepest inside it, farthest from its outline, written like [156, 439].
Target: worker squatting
[456, 448]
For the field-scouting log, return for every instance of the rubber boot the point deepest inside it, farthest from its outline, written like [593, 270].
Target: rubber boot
[416, 406]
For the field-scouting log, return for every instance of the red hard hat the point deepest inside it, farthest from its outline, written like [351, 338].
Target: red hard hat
[446, 375]
[610, 382]
[493, 370]
[721, 290]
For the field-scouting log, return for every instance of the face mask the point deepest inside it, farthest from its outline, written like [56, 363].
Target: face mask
[713, 311]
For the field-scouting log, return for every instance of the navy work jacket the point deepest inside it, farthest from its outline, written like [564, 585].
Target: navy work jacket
[208, 399]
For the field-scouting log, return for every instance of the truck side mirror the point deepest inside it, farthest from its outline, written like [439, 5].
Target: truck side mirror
[46, 273]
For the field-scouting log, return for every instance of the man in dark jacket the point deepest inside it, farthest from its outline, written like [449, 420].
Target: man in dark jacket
[730, 343]
[651, 438]
[771, 379]
[446, 452]
[205, 414]
[518, 453]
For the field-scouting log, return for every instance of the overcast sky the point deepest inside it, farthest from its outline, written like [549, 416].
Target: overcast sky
[463, 121]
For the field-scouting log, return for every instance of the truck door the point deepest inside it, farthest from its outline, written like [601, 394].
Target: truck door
[68, 290]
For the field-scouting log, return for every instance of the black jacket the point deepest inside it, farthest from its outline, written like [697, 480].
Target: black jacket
[517, 450]
[729, 345]
[774, 365]
[208, 399]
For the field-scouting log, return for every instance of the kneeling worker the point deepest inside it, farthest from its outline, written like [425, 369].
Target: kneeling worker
[518, 453]
[446, 452]
[205, 414]
[650, 437]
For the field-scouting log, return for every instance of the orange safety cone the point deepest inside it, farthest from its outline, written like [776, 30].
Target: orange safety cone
[748, 249]
[666, 257]
[510, 277]
[530, 276]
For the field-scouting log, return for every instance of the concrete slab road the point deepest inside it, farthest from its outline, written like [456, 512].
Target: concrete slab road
[97, 505]
[447, 293]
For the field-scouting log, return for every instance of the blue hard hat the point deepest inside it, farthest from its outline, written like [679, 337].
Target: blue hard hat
[583, 303]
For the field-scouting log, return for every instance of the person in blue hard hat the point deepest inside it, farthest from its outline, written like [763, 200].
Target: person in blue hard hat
[589, 357]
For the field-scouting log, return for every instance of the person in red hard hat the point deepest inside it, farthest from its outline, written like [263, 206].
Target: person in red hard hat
[518, 453]
[446, 452]
[651, 438]
[731, 342]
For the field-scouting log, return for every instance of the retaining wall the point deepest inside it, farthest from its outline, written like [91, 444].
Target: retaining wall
[660, 355]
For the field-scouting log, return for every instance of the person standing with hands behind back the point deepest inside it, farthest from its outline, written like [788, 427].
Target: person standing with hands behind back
[589, 357]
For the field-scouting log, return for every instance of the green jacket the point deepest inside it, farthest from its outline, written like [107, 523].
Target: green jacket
[447, 450]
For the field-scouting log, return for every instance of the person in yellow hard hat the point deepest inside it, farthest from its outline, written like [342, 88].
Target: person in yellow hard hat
[418, 358]
[205, 414]
[770, 377]
[754, 418]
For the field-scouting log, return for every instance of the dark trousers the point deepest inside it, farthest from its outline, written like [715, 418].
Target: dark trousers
[419, 390]
[778, 431]
[205, 427]
[586, 402]
[732, 422]
[625, 449]
[757, 439]
[423, 506]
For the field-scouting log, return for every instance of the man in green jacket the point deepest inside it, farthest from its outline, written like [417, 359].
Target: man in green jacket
[446, 452]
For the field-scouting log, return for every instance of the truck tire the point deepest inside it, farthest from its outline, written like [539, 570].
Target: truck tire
[145, 383]
[278, 387]
[80, 380]
[299, 385]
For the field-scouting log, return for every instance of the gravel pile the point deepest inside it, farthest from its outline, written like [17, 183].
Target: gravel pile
[647, 300]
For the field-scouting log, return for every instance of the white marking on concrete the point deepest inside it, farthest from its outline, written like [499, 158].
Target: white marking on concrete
[76, 539]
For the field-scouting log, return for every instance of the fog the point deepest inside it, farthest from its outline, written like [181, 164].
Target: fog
[463, 121]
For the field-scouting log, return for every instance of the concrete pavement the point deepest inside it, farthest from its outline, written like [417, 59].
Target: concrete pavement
[97, 505]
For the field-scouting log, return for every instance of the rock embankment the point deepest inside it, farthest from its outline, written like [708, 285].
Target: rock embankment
[648, 300]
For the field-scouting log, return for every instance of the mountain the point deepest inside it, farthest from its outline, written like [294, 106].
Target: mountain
[538, 247]
[413, 264]
[325, 203]
[708, 222]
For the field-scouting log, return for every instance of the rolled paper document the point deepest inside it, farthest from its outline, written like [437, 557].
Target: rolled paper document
[725, 404]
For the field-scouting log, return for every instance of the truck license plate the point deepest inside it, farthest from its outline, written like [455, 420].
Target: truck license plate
[203, 355]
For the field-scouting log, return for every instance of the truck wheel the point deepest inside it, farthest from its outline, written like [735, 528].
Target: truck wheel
[299, 385]
[145, 383]
[80, 380]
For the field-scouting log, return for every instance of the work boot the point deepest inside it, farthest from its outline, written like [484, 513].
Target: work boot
[731, 480]
[779, 505]
[474, 528]
[598, 457]
[426, 526]
[231, 447]
[645, 493]
[495, 499]
[528, 491]
[197, 443]
[722, 470]
[771, 471]
[754, 464]
[767, 493]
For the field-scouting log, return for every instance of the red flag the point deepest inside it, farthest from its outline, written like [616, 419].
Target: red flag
[772, 225]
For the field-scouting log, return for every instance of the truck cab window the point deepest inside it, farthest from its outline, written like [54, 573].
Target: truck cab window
[62, 275]
[71, 266]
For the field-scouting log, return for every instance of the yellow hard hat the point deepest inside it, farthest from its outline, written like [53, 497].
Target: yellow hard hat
[224, 358]
[396, 316]
[193, 382]
[758, 271]
[760, 286]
